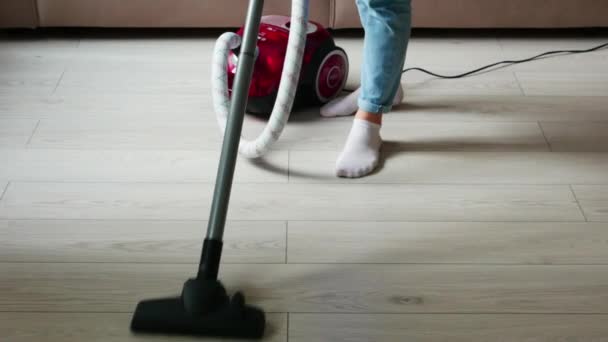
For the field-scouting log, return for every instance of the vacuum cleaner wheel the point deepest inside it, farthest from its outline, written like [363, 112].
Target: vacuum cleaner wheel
[331, 75]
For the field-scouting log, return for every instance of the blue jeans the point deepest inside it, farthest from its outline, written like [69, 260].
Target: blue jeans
[387, 25]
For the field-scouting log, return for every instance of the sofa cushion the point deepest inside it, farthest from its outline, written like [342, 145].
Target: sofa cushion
[18, 13]
[162, 13]
[490, 13]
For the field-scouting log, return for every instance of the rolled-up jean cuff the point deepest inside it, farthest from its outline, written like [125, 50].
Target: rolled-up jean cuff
[372, 107]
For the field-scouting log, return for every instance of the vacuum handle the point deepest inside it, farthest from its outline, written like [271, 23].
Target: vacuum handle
[232, 136]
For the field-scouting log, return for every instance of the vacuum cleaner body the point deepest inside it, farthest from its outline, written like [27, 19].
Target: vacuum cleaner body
[324, 66]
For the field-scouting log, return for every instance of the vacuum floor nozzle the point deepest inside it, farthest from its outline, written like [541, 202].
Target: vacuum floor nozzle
[204, 309]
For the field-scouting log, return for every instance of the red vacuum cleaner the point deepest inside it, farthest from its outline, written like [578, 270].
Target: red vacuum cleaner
[324, 66]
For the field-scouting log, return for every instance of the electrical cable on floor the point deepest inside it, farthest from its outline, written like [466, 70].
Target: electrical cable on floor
[599, 47]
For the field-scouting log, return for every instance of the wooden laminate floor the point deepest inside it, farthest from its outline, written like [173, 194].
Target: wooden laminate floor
[487, 221]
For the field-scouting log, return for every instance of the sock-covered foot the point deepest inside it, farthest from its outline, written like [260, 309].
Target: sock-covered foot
[362, 150]
[347, 105]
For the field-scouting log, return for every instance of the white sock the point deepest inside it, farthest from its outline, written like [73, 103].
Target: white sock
[362, 150]
[347, 105]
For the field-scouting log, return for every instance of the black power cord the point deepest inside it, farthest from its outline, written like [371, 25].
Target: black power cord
[599, 47]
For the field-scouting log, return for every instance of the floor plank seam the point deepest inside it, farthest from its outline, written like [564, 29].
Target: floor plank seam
[448, 313]
[521, 88]
[4, 190]
[580, 207]
[279, 182]
[443, 313]
[391, 264]
[172, 220]
[364, 313]
[287, 327]
[288, 166]
[185, 263]
[59, 81]
[163, 182]
[34, 131]
[140, 219]
[397, 117]
[542, 131]
[500, 45]
[286, 242]
[601, 122]
[316, 183]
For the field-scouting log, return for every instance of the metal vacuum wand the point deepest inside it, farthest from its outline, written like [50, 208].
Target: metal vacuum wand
[209, 263]
[204, 308]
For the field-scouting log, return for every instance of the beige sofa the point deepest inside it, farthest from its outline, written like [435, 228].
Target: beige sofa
[331, 13]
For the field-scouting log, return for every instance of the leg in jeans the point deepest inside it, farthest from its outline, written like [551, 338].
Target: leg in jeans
[387, 31]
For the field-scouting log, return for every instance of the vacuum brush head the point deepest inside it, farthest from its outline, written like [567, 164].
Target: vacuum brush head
[204, 309]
